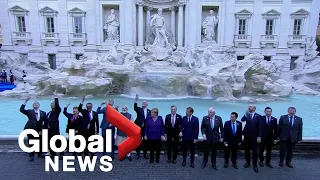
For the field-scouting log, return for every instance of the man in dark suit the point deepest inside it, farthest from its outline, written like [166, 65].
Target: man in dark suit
[269, 135]
[232, 139]
[172, 130]
[251, 133]
[37, 120]
[90, 122]
[106, 125]
[212, 132]
[53, 120]
[290, 133]
[142, 113]
[189, 130]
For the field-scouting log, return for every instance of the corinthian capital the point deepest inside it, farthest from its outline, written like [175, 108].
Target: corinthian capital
[139, 2]
[172, 8]
[181, 3]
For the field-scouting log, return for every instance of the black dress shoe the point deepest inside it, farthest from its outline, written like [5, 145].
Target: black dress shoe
[138, 156]
[169, 161]
[31, 159]
[214, 167]
[203, 165]
[261, 164]
[235, 166]
[157, 161]
[174, 161]
[255, 169]
[246, 165]
[289, 165]
[225, 165]
[129, 158]
[192, 165]
[146, 156]
[184, 163]
[281, 164]
[269, 165]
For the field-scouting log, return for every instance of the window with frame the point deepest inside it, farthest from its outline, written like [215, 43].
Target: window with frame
[297, 27]
[77, 24]
[21, 24]
[269, 26]
[242, 27]
[50, 24]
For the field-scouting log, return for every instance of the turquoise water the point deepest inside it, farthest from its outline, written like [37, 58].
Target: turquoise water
[12, 121]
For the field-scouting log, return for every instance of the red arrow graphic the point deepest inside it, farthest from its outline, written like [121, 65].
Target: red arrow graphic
[129, 128]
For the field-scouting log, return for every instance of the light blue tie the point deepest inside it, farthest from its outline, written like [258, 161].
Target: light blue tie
[233, 129]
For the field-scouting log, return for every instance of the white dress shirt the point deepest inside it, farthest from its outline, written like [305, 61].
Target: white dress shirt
[145, 112]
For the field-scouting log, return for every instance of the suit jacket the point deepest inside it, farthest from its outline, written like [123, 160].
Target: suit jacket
[270, 130]
[212, 135]
[53, 118]
[286, 131]
[251, 129]
[190, 130]
[172, 132]
[75, 124]
[141, 119]
[94, 123]
[32, 122]
[229, 137]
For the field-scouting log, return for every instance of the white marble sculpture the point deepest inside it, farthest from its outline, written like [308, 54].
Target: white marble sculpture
[209, 27]
[191, 57]
[131, 56]
[112, 27]
[311, 49]
[159, 41]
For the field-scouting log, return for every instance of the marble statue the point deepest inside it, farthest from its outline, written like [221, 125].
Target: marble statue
[131, 57]
[112, 27]
[113, 55]
[209, 27]
[208, 56]
[191, 57]
[311, 49]
[159, 41]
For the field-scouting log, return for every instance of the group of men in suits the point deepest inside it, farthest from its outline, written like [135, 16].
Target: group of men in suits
[260, 132]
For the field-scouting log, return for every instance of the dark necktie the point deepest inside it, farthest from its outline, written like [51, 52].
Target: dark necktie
[251, 116]
[172, 121]
[268, 120]
[233, 129]
[188, 119]
[36, 116]
[291, 121]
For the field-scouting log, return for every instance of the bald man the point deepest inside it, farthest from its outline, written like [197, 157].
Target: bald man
[251, 136]
[37, 120]
[142, 113]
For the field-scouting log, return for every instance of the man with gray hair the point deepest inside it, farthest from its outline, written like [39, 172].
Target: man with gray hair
[251, 136]
[212, 132]
[290, 132]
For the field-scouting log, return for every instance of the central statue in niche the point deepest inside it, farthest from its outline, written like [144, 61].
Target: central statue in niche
[160, 42]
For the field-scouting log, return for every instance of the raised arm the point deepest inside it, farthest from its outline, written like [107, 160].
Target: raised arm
[57, 105]
[244, 118]
[101, 110]
[135, 105]
[65, 111]
[22, 108]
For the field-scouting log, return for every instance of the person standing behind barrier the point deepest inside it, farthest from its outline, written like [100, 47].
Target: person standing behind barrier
[37, 120]
[106, 125]
[142, 114]
[74, 122]
[189, 130]
[154, 133]
[172, 130]
[121, 136]
[53, 120]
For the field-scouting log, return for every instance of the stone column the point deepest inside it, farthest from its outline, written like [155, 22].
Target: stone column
[285, 24]
[63, 23]
[140, 23]
[227, 28]
[34, 26]
[127, 22]
[173, 21]
[256, 33]
[148, 9]
[180, 24]
[5, 24]
[91, 24]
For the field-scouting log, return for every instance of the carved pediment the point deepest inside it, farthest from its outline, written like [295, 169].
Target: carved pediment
[164, 4]
[272, 14]
[243, 13]
[18, 10]
[48, 11]
[300, 13]
[76, 10]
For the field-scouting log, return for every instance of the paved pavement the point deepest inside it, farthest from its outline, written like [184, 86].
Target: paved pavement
[15, 166]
